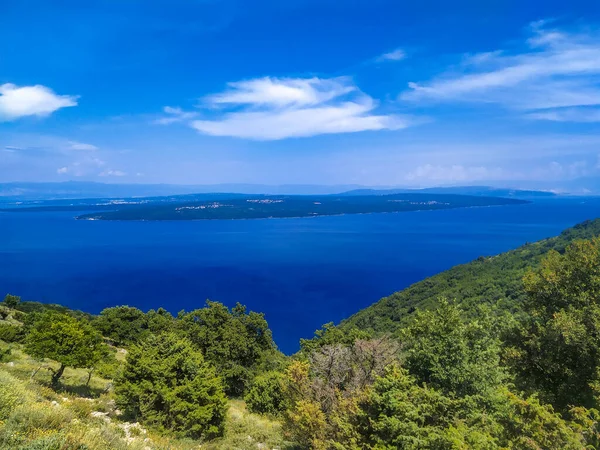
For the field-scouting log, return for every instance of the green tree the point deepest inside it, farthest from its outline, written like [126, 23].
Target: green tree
[451, 353]
[124, 325]
[167, 384]
[65, 339]
[398, 413]
[233, 340]
[12, 301]
[267, 394]
[557, 351]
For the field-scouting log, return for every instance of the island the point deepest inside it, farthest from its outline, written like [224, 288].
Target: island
[283, 206]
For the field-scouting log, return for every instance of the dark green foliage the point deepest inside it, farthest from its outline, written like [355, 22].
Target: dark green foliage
[122, 324]
[233, 340]
[495, 280]
[557, 349]
[159, 321]
[37, 307]
[454, 355]
[267, 394]
[12, 301]
[5, 354]
[400, 414]
[4, 312]
[167, 384]
[65, 339]
[262, 206]
[11, 333]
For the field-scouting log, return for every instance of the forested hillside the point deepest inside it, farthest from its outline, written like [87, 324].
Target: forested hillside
[493, 280]
[501, 353]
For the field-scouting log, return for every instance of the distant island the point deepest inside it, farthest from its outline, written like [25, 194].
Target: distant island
[272, 206]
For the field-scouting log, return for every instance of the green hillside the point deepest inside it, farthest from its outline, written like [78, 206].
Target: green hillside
[493, 280]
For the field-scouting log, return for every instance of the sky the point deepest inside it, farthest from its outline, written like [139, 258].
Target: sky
[369, 92]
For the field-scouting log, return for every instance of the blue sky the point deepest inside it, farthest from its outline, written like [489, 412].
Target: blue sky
[368, 92]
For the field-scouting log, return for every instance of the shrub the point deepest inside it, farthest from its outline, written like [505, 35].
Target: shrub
[11, 333]
[166, 383]
[4, 312]
[267, 394]
[12, 301]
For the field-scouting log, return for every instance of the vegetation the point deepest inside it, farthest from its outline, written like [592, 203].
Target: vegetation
[266, 206]
[66, 340]
[502, 353]
[167, 384]
[495, 280]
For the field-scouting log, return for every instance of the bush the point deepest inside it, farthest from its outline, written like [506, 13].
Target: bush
[267, 394]
[5, 355]
[11, 333]
[4, 312]
[12, 301]
[166, 383]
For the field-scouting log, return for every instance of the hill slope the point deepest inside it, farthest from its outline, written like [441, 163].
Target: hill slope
[493, 280]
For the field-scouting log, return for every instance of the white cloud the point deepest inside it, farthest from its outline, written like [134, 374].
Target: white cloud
[396, 55]
[112, 173]
[17, 102]
[73, 145]
[62, 170]
[279, 108]
[568, 115]
[175, 115]
[556, 69]
[457, 173]
[453, 173]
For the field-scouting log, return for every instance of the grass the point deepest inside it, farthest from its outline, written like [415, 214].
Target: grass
[33, 416]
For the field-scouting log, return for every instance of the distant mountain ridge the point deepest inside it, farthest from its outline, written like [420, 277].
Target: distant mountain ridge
[25, 191]
[479, 191]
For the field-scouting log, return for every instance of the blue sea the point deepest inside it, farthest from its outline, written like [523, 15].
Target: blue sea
[301, 273]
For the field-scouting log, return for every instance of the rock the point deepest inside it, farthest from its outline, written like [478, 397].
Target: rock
[100, 415]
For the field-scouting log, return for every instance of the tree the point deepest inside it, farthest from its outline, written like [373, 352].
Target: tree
[12, 301]
[399, 413]
[233, 340]
[124, 325]
[167, 384]
[453, 354]
[65, 339]
[557, 350]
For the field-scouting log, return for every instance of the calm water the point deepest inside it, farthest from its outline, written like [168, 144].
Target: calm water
[300, 272]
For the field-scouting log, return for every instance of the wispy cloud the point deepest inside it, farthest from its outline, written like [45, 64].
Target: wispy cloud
[554, 69]
[73, 145]
[457, 173]
[38, 100]
[279, 108]
[174, 115]
[395, 55]
[112, 173]
[568, 115]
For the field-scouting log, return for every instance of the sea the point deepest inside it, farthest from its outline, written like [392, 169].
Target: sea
[301, 273]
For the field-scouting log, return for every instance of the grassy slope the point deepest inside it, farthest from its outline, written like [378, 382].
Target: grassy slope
[35, 417]
[494, 280]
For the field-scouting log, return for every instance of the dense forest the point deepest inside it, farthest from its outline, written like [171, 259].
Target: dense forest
[500, 353]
